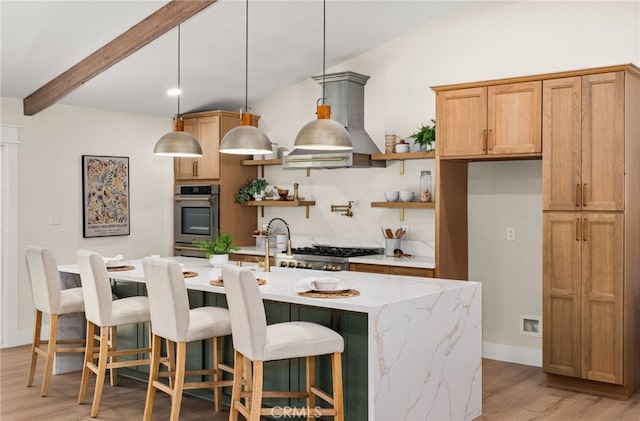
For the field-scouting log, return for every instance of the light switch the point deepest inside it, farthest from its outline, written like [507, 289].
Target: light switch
[511, 234]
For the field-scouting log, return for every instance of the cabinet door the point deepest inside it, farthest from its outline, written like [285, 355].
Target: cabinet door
[602, 297]
[603, 141]
[561, 137]
[209, 138]
[185, 168]
[561, 288]
[514, 118]
[363, 267]
[207, 167]
[462, 122]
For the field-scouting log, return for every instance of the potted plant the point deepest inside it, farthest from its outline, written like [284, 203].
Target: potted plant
[425, 136]
[254, 188]
[217, 251]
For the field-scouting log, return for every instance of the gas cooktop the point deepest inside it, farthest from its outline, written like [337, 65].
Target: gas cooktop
[330, 251]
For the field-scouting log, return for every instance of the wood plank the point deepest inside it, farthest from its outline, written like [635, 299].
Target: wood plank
[136, 37]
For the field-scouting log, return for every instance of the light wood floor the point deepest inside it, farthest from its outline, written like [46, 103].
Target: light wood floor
[510, 392]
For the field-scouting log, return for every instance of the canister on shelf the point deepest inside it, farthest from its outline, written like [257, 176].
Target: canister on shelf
[426, 187]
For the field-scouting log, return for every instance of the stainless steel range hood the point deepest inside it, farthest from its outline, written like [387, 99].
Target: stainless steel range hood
[346, 93]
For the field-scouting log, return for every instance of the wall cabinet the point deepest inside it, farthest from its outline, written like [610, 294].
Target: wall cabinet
[489, 121]
[391, 270]
[206, 130]
[591, 135]
[583, 135]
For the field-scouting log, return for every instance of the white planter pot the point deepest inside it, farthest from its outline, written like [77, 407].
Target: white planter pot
[218, 260]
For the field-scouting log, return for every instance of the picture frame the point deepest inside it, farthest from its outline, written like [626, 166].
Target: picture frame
[105, 196]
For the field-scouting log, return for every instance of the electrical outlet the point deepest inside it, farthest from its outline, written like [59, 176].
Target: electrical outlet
[511, 234]
[54, 218]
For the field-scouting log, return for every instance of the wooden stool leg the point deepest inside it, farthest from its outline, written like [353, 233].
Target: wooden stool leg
[51, 352]
[113, 372]
[238, 374]
[256, 392]
[336, 373]
[154, 371]
[176, 398]
[102, 370]
[248, 379]
[311, 381]
[35, 345]
[171, 354]
[217, 374]
[88, 358]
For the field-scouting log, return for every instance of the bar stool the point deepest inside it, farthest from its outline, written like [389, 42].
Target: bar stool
[49, 298]
[255, 342]
[106, 314]
[172, 320]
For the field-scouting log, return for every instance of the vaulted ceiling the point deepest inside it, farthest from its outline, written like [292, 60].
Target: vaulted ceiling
[39, 40]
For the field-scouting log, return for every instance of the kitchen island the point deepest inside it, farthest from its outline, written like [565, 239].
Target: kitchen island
[423, 336]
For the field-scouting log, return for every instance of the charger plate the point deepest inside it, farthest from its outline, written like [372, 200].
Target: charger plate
[335, 294]
[120, 268]
[220, 282]
[189, 274]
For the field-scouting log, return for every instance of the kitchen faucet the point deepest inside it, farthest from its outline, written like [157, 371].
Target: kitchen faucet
[267, 264]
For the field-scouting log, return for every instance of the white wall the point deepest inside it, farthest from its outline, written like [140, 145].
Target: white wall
[491, 40]
[50, 180]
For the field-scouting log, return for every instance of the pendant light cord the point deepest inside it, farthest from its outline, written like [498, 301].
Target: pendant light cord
[324, 41]
[246, 58]
[179, 91]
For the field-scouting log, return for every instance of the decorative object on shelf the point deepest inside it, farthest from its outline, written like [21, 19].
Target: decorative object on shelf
[105, 196]
[402, 147]
[343, 208]
[425, 136]
[254, 188]
[282, 193]
[295, 192]
[246, 139]
[323, 133]
[390, 141]
[406, 196]
[391, 196]
[217, 251]
[426, 187]
[178, 143]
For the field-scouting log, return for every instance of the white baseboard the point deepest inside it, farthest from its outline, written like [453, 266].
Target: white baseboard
[512, 354]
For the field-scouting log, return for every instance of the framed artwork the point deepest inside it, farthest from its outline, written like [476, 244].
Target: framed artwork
[105, 196]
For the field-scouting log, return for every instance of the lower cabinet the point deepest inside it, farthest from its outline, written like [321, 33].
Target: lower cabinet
[279, 375]
[391, 270]
[583, 296]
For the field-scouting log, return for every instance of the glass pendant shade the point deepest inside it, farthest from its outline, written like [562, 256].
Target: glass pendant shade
[178, 143]
[245, 139]
[323, 133]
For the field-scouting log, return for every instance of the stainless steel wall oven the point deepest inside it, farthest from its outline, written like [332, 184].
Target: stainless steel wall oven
[196, 215]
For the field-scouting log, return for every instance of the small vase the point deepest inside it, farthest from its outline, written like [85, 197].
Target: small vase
[217, 260]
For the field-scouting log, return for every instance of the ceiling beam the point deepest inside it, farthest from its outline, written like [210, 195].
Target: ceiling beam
[158, 23]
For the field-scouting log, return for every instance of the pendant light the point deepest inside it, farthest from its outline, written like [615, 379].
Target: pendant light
[178, 143]
[323, 133]
[246, 139]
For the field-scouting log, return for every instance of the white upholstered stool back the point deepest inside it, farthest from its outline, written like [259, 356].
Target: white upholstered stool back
[257, 342]
[173, 320]
[49, 298]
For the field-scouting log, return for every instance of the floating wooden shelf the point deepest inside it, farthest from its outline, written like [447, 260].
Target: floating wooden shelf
[261, 163]
[402, 156]
[281, 203]
[403, 205]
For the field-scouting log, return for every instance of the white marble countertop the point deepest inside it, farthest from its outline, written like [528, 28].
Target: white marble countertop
[376, 290]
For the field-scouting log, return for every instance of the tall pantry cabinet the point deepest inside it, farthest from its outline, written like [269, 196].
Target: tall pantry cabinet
[591, 231]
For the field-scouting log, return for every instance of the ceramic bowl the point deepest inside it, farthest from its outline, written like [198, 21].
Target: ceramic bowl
[326, 284]
[391, 196]
[406, 196]
[402, 147]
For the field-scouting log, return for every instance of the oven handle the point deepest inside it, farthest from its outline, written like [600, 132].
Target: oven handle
[187, 248]
[186, 199]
